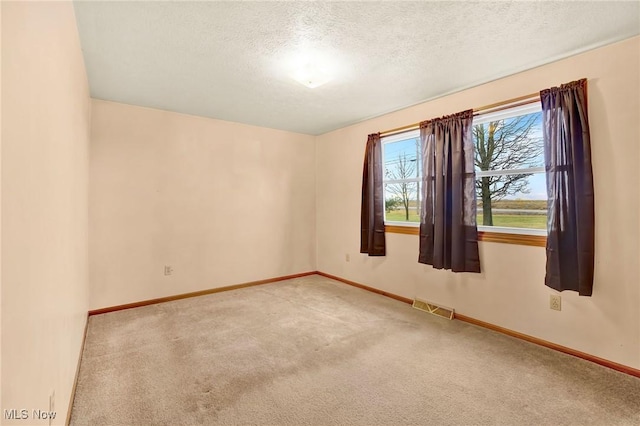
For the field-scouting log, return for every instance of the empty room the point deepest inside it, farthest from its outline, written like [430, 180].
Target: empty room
[320, 213]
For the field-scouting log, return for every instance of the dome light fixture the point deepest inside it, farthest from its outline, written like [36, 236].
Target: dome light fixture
[311, 74]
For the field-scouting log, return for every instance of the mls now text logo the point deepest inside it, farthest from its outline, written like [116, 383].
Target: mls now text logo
[24, 414]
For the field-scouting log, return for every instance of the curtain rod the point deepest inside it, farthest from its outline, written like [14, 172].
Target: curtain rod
[498, 106]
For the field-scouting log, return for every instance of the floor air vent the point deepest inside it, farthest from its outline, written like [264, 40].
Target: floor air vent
[434, 309]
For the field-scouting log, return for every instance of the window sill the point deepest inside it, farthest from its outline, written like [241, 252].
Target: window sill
[520, 239]
[491, 237]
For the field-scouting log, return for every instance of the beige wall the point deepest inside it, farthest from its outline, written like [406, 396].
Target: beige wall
[45, 133]
[510, 292]
[222, 203]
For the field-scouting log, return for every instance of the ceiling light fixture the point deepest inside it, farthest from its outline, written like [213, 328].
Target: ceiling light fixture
[311, 75]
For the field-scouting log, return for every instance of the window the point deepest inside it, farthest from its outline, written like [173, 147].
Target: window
[402, 172]
[510, 176]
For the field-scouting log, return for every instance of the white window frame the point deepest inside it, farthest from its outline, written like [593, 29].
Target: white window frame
[480, 119]
[398, 137]
[501, 115]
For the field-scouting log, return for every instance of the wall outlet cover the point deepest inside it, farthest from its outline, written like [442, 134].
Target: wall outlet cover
[555, 302]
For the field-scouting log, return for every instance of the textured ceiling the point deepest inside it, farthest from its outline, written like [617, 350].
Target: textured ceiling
[233, 60]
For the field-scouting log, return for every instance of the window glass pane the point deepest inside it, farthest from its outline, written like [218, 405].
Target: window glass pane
[511, 143]
[402, 201]
[401, 159]
[514, 201]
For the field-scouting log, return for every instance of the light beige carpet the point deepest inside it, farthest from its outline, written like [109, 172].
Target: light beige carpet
[312, 351]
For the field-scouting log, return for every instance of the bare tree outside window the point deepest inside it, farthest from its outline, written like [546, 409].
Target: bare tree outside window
[402, 171]
[512, 143]
[403, 167]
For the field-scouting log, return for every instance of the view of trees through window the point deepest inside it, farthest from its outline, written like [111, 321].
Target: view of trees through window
[510, 179]
[402, 175]
[509, 163]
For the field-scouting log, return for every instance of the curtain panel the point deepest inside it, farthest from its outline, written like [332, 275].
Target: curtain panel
[448, 231]
[372, 239]
[570, 221]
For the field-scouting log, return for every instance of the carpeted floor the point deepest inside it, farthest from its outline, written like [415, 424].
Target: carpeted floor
[312, 351]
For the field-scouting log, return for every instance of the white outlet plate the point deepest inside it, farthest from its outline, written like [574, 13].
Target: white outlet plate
[555, 302]
[347, 257]
[168, 270]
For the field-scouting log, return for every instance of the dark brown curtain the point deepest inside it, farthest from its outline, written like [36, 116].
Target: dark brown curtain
[372, 214]
[448, 232]
[570, 223]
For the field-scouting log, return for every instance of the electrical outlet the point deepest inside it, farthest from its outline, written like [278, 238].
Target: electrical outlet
[168, 270]
[555, 302]
[347, 257]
